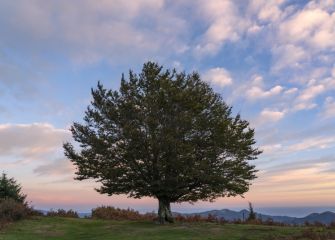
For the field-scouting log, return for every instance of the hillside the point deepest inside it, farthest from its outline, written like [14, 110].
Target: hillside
[85, 229]
[325, 217]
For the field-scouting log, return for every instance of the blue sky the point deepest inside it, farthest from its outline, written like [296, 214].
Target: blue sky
[272, 60]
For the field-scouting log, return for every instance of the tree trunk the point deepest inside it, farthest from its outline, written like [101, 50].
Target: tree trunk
[164, 211]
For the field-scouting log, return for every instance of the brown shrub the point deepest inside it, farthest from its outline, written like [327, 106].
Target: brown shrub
[11, 210]
[33, 212]
[3, 223]
[211, 218]
[199, 218]
[112, 213]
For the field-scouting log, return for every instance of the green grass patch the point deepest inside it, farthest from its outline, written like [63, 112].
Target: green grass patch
[40, 228]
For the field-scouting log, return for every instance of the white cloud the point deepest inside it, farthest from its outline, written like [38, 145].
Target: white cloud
[269, 149]
[87, 32]
[30, 138]
[333, 72]
[27, 143]
[303, 106]
[225, 25]
[313, 26]
[57, 167]
[291, 91]
[311, 92]
[266, 10]
[218, 76]
[329, 108]
[312, 143]
[254, 89]
[256, 92]
[288, 146]
[288, 56]
[305, 99]
[268, 115]
[303, 35]
[254, 29]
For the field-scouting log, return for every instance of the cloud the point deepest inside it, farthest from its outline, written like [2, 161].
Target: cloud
[254, 89]
[56, 168]
[305, 100]
[271, 148]
[302, 35]
[329, 108]
[288, 146]
[304, 179]
[269, 115]
[266, 10]
[303, 106]
[312, 143]
[86, 32]
[288, 56]
[225, 25]
[30, 142]
[218, 76]
[291, 91]
[311, 92]
[256, 92]
[313, 26]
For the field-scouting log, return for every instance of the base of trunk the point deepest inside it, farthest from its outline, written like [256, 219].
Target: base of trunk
[164, 212]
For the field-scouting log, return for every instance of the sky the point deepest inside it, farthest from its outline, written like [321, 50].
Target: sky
[272, 60]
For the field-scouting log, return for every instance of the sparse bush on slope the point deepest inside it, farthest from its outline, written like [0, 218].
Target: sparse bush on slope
[112, 213]
[63, 213]
[11, 210]
[13, 205]
[12, 201]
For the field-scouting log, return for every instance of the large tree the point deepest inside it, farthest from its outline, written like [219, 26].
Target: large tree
[163, 134]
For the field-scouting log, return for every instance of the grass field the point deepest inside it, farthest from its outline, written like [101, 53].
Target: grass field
[66, 228]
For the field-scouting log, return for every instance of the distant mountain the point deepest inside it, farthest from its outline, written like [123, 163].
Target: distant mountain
[230, 215]
[84, 215]
[325, 217]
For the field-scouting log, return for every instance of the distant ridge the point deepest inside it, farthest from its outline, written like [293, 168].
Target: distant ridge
[230, 215]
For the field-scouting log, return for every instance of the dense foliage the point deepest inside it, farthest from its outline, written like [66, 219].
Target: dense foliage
[9, 188]
[166, 135]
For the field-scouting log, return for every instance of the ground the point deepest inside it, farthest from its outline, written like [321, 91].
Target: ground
[69, 229]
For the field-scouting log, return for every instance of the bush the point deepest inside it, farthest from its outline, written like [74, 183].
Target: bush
[198, 218]
[11, 210]
[33, 212]
[63, 213]
[112, 213]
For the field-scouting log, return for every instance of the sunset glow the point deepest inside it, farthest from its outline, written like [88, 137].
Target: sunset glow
[273, 61]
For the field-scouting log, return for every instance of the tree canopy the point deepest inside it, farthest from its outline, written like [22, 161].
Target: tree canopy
[9, 188]
[163, 134]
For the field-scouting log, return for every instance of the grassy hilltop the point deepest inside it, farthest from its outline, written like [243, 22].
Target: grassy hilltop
[39, 228]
